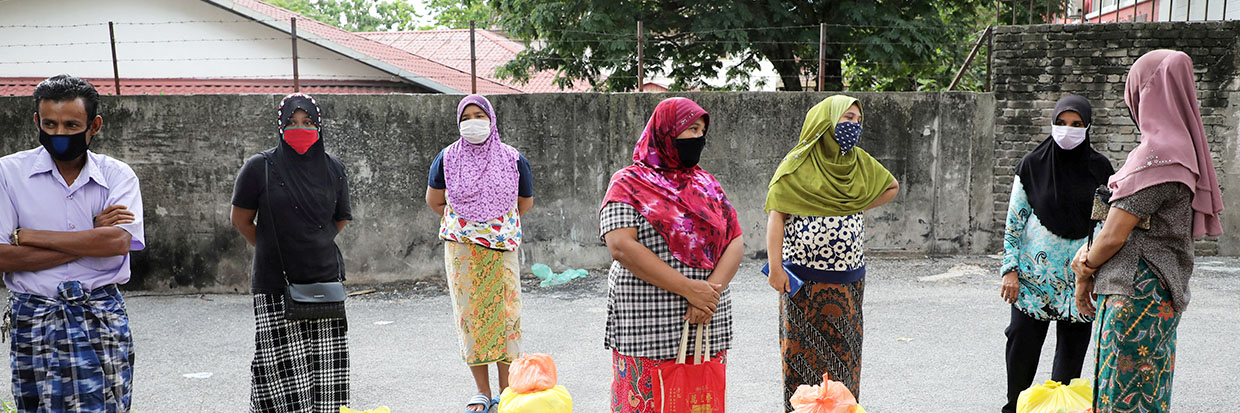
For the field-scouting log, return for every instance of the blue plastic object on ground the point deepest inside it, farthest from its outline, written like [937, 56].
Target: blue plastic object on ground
[543, 272]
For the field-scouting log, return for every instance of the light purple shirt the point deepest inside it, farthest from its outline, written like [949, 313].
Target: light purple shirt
[34, 195]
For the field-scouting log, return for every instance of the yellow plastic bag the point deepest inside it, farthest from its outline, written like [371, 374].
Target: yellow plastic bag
[553, 400]
[381, 409]
[1054, 397]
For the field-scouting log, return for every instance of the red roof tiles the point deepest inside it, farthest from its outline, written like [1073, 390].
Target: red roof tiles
[451, 47]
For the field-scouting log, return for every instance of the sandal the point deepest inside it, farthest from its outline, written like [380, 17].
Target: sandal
[482, 400]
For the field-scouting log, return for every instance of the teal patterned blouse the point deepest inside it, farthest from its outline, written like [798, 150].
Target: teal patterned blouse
[1044, 261]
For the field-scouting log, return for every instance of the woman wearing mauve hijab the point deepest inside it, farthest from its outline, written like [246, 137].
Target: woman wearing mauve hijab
[1048, 220]
[1139, 266]
[482, 187]
[301, 198]
[675, 241]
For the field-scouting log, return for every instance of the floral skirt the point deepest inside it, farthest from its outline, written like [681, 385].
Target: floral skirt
[1136, 347]
[821, 332]
[485, 287]
[632, 383]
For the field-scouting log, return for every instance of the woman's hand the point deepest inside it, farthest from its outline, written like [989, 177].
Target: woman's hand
[697, 316]
[702, 294]
[778, 279]
[1078, 263]
[1084, 282]
[1085, 296]
[1011, 287]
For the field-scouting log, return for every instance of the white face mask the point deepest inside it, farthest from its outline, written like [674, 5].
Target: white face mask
[1068, 137]
[476, 131]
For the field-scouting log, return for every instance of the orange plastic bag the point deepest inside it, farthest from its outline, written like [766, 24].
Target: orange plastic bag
[829, 397]
[532, 373]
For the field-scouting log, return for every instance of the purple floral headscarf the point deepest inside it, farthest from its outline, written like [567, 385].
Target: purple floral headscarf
[481, 179]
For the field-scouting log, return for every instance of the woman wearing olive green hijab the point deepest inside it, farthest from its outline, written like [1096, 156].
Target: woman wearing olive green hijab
[814, 234]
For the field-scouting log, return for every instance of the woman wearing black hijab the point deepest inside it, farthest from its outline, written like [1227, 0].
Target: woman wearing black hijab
[1047, 221]
[301, 198]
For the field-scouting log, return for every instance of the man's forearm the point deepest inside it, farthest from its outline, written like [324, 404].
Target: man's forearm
[97, 242]
[27, 258]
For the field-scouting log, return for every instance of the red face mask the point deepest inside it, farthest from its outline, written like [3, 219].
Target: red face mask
[301, 139]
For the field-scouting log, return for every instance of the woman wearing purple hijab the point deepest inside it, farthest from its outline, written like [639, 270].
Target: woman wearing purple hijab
[1165, 195]
[482, 187]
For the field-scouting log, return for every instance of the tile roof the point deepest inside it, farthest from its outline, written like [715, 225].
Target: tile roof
[451, 48]
[24, 86]
[416, 68]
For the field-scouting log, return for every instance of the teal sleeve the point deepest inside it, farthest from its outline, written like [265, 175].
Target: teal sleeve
[1014, 231]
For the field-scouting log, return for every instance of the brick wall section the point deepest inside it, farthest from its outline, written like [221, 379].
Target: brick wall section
[1035, 65]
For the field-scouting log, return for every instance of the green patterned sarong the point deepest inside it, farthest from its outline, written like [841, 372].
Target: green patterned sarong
[1135, 336]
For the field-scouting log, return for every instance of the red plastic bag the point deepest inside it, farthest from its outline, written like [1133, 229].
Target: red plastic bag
[691, 388]
[830, 397]
[532, 373]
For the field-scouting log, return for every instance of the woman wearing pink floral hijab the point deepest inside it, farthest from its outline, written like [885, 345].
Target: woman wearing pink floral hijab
[1165, 195]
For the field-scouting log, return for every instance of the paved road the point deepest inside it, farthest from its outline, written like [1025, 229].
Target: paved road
[931, 345]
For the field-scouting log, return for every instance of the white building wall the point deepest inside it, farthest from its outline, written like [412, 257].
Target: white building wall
[1197, 10]
[41, 52]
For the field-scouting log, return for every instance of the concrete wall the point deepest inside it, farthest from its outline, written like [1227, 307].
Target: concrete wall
[187, 150]
[1035, 65]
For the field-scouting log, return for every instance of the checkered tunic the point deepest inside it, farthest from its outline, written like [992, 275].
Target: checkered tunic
[644, 320]
[299, 366]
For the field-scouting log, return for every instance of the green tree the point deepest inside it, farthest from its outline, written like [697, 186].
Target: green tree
[356, 15]
[871, 45]
[456, 14]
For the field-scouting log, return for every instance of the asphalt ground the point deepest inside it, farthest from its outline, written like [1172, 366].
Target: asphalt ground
[931, 344]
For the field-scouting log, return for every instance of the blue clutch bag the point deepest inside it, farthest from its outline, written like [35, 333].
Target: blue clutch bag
[794, 282]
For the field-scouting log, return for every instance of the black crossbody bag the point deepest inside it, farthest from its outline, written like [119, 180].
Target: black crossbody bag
[313, 301]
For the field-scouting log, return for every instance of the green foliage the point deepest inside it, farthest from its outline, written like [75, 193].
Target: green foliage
[872, 45]
[456, 14]
[356, 15]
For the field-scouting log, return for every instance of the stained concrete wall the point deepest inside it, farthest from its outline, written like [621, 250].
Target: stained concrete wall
[187, 150]
[1035, 65]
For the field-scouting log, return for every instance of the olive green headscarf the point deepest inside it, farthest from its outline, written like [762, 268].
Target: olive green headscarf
[816, 180]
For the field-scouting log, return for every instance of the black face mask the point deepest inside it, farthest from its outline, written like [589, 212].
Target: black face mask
[64, 148]
[690, 150]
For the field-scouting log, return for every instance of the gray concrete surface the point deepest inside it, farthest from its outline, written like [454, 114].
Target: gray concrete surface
[938, 144]
[930, 346]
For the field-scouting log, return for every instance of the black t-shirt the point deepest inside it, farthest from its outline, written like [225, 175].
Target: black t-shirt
[525, 183]
[306, 241]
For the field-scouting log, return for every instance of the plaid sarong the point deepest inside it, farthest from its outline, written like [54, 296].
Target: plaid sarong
[71, 353]
[300, 366]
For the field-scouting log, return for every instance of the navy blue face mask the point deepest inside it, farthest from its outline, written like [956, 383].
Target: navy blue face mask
[64, 148]
[847, 134]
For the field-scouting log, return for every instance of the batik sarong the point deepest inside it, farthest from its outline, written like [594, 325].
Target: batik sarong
[821, 332]
[485, 287]
[1136, 347]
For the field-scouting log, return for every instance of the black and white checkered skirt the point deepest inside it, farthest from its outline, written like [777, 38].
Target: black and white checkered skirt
[299, 366]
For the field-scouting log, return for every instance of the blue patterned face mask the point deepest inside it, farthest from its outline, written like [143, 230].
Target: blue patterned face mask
[847, 134]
